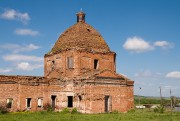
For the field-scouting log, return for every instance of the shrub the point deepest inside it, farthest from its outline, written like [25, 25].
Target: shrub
[48, 107]
[65, 110]
[74, 111]
[3, 110]
[159, 109]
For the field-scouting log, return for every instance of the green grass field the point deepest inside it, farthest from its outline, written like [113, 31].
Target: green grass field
[138, 115]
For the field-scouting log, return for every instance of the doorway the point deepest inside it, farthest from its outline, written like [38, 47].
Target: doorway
[70, 101]
[53, 100]
[106, 98]
[28, 103]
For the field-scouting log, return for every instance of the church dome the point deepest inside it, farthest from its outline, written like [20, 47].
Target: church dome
[81, 36]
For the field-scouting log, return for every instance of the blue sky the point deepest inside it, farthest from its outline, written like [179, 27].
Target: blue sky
[144, 34]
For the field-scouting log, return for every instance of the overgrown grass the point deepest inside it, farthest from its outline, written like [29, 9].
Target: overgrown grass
[136, 115]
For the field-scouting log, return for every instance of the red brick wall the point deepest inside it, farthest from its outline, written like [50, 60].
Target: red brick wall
[92, 94]
[121, 99]
[23, 87]
[9, 91]
[83, 62]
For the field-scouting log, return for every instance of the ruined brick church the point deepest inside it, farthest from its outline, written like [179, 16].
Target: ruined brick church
[79, 72]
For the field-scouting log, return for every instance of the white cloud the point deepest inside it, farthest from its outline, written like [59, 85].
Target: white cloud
[26, 32]
[15, 48]
[11, 14]
[173, 74]
[163, 44]
[5, 70]
[18, 57]
[28, 67]
[137, 45]
[145, 73]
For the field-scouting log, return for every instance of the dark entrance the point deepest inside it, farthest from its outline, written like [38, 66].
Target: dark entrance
[70, 101]
[53, 100]
[106, 103]
[95, 64]
[28, 103]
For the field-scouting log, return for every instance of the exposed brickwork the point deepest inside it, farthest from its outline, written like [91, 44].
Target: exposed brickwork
[79, 72]
[83, 63]
[80, 36]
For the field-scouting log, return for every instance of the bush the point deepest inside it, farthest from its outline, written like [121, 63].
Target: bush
[65, 110]
[48, 107]
[159, 109]
[3, 110]
[74, 111]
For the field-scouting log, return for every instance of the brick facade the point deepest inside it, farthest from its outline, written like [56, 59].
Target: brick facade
[79, 72]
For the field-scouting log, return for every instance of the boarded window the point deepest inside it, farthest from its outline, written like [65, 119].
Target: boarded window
[9, 102]
[85, 62]
[96, 63]
[49, 64]
[40, 102]
[59, 63]
[70, 62]
[28, 103]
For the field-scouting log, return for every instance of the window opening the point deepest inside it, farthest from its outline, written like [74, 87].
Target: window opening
[28, 102]
[40, 102]
[88, 29]
[53, 65]
[95, 64]
[80, 97]
[70, 62]
[70, 101]
[9, 103]
[114, 62]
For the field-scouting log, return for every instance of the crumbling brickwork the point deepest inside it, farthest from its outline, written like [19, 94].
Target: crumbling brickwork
[83, 63]
[79, 72]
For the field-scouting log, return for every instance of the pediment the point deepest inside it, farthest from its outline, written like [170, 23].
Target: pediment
[108, 74]
[53, 74]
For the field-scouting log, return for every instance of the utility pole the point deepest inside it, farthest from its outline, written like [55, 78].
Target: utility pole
[160, 95]
[139, 95]
[171, 99]
[171, 103]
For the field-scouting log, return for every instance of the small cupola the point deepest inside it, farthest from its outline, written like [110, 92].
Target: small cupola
[80, 16]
